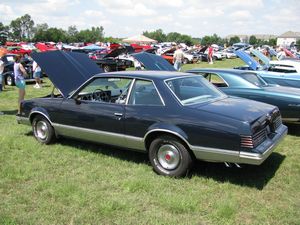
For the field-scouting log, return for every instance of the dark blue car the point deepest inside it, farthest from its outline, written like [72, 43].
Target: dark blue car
[174, 117]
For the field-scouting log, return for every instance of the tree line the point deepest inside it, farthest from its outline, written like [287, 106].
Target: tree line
[160, 36]
[24, 29]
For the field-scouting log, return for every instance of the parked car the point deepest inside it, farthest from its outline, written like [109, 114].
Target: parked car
[44, 47]
[8, 73]
[188, 57]
[229, 54]
[281, 66]
[18, 50]
[107, 60]
[111, 61]
[218, 55]
[174, 117]
[249, 85]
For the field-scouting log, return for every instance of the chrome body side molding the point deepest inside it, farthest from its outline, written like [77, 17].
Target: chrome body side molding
[100, 136]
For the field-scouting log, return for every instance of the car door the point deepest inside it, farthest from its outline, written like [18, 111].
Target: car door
[144, 108]
[96, 112]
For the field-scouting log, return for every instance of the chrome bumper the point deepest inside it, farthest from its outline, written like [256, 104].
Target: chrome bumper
[233, 156]
[265, 148]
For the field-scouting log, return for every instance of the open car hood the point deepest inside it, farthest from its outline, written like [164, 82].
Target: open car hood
[261, 56]
[153, 62]
[66, 70]
[247, 59]
[116, 52]
[203, 49]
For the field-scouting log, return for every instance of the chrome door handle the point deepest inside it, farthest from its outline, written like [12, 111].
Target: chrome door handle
[118, 114]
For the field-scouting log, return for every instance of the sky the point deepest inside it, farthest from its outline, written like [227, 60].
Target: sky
[125, 18]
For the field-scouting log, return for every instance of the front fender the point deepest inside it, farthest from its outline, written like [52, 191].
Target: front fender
[39, 111]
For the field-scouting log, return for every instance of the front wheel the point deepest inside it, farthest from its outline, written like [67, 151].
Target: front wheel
[42, 130]
[169, 157]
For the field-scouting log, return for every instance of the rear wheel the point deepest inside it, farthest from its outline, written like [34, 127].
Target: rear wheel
[10, 80]
[169, 157]
[185, 61]
[42, 130]
[106, 68]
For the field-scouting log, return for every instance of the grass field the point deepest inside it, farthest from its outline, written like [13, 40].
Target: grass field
[72, 182]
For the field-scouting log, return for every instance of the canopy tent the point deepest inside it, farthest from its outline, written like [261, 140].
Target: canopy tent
[139, 39]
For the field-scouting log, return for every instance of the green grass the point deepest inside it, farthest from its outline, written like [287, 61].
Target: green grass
[72, 182]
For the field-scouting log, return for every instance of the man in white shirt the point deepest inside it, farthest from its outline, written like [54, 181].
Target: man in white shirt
[178, 58]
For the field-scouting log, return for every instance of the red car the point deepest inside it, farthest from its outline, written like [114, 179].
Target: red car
[43, 47]
[18, 50]
[168, 55]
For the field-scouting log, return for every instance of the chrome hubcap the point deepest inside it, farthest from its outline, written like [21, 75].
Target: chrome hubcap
[168, 156]
[41, 130]
[9, 81]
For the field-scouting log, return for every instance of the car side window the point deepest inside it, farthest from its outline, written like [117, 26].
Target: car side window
[144, 93]
[104, 89]
[216, 80]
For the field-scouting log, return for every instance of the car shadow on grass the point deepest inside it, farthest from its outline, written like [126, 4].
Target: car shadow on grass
[120, 153]
[294, 129]
[9, 112]
[248, 175]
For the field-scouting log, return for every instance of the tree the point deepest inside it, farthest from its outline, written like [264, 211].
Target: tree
[22, 28]
[93, 35]
[206, 40]
[111, 40]
[273, 42]
[56, 35]
[40, 32]
[252, 40]
[234, 39]
[298, 44]
[3, 33]
[157, 35]
[174, 37]
[72, 32]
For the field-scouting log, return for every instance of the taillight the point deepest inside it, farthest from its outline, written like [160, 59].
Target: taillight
[247, 142]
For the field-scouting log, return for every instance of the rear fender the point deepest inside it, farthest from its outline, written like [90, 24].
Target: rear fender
[163, 128]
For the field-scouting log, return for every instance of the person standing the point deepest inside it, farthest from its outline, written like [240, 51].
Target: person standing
[210, 54]
[37, 72]
[178, 58]
[1, 71]
[20, 74]
[281, 54]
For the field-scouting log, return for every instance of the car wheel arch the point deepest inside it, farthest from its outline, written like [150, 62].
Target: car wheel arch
[35, 113]
[153, 134]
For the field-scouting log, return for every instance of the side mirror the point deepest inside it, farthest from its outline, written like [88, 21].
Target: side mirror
[77, 100]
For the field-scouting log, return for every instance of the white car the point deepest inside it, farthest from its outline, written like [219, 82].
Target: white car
[229, 54]
[284, 66]
[218, 55]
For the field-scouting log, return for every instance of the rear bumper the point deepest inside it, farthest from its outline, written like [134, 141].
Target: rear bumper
[265, 149]
[257, 157]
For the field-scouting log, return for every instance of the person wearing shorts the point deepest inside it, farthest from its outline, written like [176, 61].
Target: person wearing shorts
[37, 72]
[20, 74]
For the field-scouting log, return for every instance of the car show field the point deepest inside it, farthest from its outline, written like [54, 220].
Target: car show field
[76, 182]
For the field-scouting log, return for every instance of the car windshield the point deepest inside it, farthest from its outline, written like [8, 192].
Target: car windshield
[193, 89]
[254, 79]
